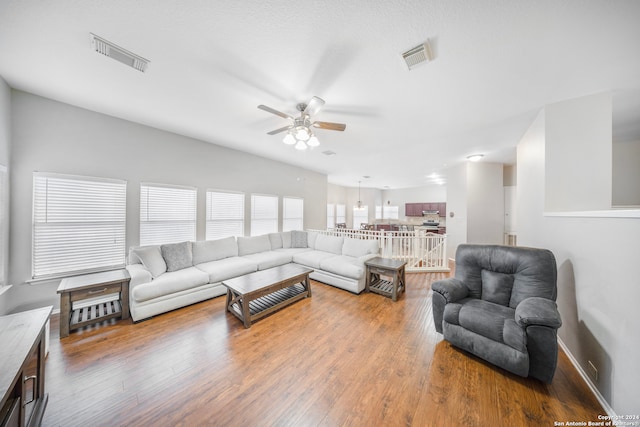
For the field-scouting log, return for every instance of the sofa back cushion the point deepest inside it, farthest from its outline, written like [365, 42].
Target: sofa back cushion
[286, 239]
[312, 236]
[276, 241]
[358, 247]
[213, 250]
[496, 287]
[331, 244]
[177, 255]
[253, 245]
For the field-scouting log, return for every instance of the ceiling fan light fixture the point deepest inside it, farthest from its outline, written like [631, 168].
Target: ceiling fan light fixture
[289, 139]
[313, 141]
[300, 145]
[302, 133]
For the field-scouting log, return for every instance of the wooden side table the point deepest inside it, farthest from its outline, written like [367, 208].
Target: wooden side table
[387, 267]
[89, 286]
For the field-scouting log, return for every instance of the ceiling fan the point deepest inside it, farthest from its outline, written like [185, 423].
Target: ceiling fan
[299, 132]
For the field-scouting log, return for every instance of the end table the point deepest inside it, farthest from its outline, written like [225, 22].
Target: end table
[88, 286]
[388, 267]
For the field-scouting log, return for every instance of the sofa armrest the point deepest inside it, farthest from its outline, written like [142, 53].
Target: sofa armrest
[451, 289]
[139, 274]
[538, 311]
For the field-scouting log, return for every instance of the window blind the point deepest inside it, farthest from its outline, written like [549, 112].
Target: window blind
[4, 223]
[78, 224]
[167, 214]
[331, 219]
[292, 214]
[341, 214]
[360, 216]
[225, 214]
[264, 214]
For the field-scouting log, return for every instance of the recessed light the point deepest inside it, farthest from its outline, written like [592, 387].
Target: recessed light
[475, 157]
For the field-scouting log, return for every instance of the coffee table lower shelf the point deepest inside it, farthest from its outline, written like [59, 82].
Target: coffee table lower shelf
[269, 303]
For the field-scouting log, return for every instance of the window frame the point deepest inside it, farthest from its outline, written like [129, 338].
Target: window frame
[274, 221]
[209, 212]
[185, 235]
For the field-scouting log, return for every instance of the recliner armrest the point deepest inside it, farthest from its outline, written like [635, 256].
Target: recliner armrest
[451, 289]
[538, 311]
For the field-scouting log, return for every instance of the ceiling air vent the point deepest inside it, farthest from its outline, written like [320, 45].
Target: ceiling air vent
[418, 55]
[329, 153]
[111, 50]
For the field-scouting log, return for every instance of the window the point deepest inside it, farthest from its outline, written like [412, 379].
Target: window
[331, 216]
[387, 212]
[78, 224]
[4, 215]
[264, 214]
[292, 214]
[341, 214]
[225, 214]
[360, 216]
[167, 214]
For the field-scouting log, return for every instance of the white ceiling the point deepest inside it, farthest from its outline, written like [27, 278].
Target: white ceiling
[497, 62]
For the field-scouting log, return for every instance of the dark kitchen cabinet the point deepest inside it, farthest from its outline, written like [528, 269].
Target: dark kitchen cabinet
[416, 209]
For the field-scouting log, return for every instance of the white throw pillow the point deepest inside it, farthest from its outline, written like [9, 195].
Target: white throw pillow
[152, 260]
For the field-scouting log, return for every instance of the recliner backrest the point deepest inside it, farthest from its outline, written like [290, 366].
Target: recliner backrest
[506, 275]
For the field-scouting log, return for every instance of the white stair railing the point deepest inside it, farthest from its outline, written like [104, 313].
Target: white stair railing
[422, 251]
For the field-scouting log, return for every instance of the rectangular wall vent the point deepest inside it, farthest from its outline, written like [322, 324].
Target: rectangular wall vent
[418, 55]
[114, 51]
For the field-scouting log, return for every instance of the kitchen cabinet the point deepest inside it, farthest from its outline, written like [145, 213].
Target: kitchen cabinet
[416, 209]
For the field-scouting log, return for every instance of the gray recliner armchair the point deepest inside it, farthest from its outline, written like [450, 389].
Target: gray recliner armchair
[501, 307]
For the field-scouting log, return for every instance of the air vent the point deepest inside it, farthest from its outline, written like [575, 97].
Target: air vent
[113, 51]
[418, 55]
[328, 153]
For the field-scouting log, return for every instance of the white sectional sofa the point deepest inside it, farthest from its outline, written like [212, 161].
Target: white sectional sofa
[167, 277]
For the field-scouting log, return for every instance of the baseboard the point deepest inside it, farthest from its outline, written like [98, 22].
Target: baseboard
[587, 380]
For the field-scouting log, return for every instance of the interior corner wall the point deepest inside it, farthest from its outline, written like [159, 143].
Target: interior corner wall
[50, 136]
[5, 150]
[626, 174]
[578, 140]
[456, 208]
[597, 287]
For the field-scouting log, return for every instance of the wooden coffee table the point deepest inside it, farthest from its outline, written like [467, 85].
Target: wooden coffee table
[256, 295]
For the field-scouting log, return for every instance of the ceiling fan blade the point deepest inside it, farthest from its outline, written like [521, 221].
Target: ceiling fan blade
[313, 106]
[330, 126]
[282, 129]
[276, 112]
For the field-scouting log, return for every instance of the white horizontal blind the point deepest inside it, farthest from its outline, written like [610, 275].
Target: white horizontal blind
[167, 214]
[292, 214]
[264, 214]
[225, 214]
[331, 218]
[341, 214]
[4, 215]
[78, 224]
[360, 216]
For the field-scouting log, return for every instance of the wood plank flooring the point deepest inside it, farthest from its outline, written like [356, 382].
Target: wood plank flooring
[331, 360]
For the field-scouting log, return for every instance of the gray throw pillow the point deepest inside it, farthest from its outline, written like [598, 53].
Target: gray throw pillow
[177, 255]
[299, 239]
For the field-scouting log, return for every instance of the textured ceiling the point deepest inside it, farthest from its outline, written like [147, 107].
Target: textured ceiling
[497, 62]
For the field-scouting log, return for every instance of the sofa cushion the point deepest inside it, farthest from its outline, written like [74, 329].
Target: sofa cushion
[311, 258]
[286, 239]
[484, 318]
[331, 244]
[212, 250]
[170, 283]
[253, 245]
[358, 247]
[312, 236]
[276, 241]
[269, 259]
[293, 251]
[496, 287]
[177, 255]
[227, 268]
[151, 259]
[343, 266]
[299, 239]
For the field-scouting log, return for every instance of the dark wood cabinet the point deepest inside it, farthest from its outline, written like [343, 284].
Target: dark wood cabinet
[22, 343]
[416, 209]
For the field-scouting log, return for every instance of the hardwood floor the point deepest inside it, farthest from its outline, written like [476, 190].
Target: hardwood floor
[333, 359]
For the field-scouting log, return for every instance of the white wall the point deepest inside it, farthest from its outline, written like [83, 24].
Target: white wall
[485, 203]
[598, 290]
[425, 194]
[49, 136]
[5, 146]
[626, 173]
[456, 206]
[578, 157]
